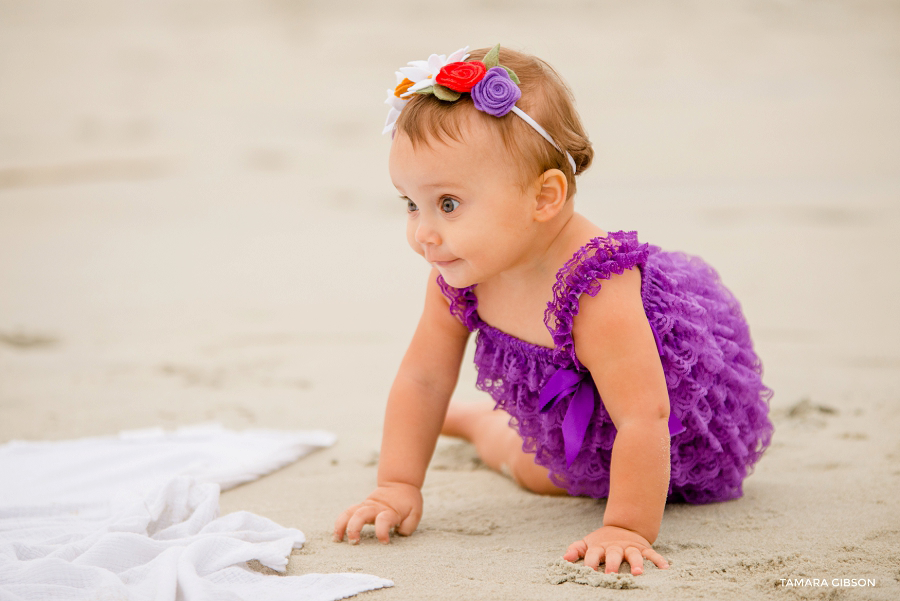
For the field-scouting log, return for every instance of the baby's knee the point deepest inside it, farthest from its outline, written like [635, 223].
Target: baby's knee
[531, 476]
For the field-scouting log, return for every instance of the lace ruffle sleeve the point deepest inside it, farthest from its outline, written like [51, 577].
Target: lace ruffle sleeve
[584, 273]
[463, 303]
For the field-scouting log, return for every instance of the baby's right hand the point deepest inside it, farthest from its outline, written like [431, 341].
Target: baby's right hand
[394, 505]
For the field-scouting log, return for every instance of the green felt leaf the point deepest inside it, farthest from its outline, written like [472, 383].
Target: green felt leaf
[446, 93]
[492, 58]
[426, 91]
[512, 75]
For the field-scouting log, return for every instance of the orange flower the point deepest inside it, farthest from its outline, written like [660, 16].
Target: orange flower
[402, 87]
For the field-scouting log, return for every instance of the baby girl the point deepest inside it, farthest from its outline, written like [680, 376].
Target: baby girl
[618, 370]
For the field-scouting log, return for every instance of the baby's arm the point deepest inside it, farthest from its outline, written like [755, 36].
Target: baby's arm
[416, 407]
[614, 341]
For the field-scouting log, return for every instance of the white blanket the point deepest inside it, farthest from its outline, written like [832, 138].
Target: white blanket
[135, 517]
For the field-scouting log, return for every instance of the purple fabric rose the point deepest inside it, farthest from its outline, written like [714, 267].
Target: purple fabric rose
[496, 93]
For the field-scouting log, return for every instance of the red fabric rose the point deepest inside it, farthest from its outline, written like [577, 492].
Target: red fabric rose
[461, 76]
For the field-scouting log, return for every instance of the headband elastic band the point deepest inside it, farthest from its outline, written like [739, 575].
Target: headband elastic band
[544, 133]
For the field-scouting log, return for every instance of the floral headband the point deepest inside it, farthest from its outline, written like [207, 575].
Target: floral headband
[493, 87]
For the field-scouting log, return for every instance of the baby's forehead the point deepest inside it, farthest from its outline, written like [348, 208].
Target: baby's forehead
[449, 165]
[472, 141]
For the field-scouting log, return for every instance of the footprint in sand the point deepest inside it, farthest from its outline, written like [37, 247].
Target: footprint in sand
[26, 340]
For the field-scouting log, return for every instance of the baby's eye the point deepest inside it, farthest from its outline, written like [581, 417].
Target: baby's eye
[448, 205]
[411, 206]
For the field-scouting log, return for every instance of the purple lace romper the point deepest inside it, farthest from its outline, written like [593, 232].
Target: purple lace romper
[719, 405]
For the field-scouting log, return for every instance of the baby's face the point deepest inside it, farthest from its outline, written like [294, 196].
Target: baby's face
[467, 213]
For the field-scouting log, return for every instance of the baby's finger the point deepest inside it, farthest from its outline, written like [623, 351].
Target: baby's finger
[362, 516]
[409, 524]
[340, 524]
[575, 551]
[614, 556]
[384, 521]
[635, 560]
[593, 557]
[656, 558]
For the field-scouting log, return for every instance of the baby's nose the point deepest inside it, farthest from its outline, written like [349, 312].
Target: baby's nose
[426, 233]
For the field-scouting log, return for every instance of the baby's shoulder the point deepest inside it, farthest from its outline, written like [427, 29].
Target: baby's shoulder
[615, 295]
[611, 323]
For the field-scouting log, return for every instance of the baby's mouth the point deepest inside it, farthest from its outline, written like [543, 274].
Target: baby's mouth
[443, 263]
[439, 261]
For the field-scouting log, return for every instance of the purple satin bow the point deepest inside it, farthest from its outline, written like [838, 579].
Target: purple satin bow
[580, 386]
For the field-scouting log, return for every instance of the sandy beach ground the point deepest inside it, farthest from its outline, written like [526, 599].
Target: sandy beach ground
[196, 224]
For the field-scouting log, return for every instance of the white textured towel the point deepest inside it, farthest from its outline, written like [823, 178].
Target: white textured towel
[135, 517]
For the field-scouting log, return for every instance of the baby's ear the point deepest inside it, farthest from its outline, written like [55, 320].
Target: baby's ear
[552, 188]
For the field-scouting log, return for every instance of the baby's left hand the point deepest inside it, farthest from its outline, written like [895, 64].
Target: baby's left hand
[614, 544]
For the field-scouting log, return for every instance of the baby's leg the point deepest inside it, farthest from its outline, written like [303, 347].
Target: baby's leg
[498, 445]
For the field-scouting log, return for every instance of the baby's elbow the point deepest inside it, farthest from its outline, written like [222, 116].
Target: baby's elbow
[662, 410]
[647, 417]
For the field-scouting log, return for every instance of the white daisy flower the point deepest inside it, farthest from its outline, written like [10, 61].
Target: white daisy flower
[396, 105]
[422, 74]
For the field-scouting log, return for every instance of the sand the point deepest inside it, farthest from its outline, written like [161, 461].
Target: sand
[196, 224]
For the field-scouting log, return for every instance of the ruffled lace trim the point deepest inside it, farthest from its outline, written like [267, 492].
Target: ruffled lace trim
[713, 375]
[463, 303]
[585, 272]
[511, 370]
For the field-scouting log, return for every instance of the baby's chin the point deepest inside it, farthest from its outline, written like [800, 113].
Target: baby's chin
[455, 277]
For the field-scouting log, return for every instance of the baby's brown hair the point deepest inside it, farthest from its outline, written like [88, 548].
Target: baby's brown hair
[545, 98]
